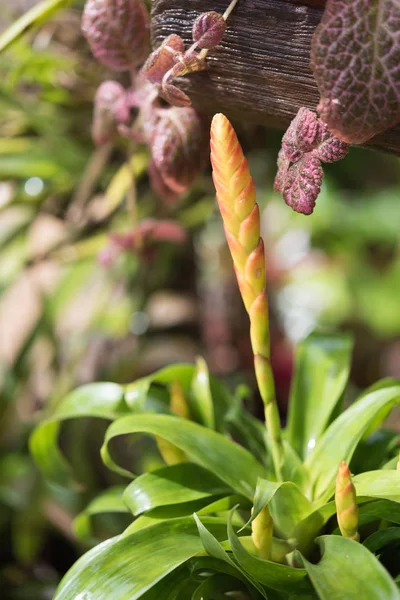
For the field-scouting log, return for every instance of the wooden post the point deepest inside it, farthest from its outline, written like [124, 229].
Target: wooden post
[261, 70]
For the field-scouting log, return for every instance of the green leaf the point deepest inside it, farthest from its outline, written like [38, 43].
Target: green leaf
[380, 539]
[201, 565]
[33, 17]
[293, 468]
[216, 587]
[126, 567]
[100, 400]
[201, 393]
[176, 484]
[108, 501]
[215, 550]
[380, 509]
[348, 571]
[373, 452]
[286, 503]
[223, 505]
[223, 457]
[273, 575]
[321, 372]
[378, 484]
[342, 436]
[136, 392]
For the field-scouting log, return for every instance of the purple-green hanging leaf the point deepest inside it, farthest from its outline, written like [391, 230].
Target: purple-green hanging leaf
[356, 62]
[208, 29]
[111, 107]
[173, 95]
[306, 143]
[117, 31]
[303, 184]
[163, 58]
[179, 145]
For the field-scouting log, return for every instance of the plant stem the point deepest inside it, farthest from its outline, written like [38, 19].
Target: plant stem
[131, 196]
[229, 9]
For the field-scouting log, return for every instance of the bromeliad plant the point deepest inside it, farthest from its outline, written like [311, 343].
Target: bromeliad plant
[241, 509]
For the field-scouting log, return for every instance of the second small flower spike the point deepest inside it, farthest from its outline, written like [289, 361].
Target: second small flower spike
[261, 533]
[346, 505]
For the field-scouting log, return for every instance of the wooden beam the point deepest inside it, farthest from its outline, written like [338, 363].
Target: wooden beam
[261, 70]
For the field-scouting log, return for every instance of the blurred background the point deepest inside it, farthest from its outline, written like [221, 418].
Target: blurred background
[76, 306]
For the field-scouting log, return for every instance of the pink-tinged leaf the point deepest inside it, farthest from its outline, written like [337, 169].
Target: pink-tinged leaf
[143, 240]
[308, 130]
[173, 95]
[305, 144]
[356, 62]
[160, 188]
[111, 107]
[163, 58]
[179, 145]
[283, 166]
[117, 31]
[303, 184]
[208, 30]
[331, 148]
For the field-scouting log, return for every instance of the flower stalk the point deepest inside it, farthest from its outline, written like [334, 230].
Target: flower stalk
[236, 199]
[346, 505]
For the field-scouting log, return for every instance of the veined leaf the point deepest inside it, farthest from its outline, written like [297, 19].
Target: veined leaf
[342, 436]
[334, 576]
[101, 400]
[126, 567]
[321, 373]
[355, 57]
[227, 460]
[176, 484]
[33, 17]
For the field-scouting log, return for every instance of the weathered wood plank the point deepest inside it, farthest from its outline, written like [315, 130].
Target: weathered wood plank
[261, 71]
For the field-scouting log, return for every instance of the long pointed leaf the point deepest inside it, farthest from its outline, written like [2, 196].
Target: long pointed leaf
[342, 436]
[126, 567]
[321, 373]
[223, 457]
[348, 571]
[214, 549]
[176, 484]
[109, 501]
[99, 400]
[35, 16]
